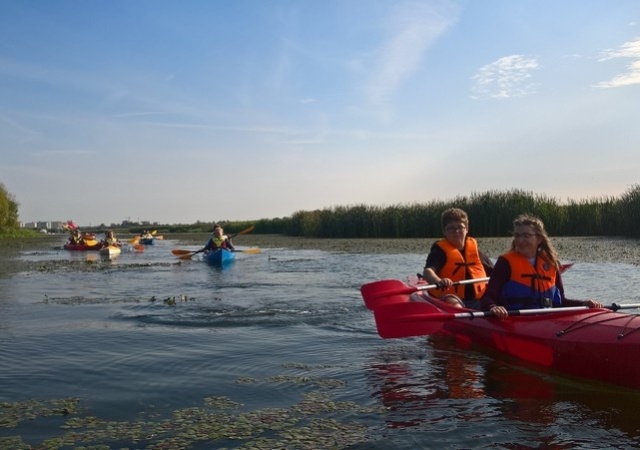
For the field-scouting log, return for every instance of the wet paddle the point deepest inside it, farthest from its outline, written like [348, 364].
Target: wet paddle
[251, 251]
[400, 320]
[374, 293]
[245, 231]
[380, 293]
[187, 254]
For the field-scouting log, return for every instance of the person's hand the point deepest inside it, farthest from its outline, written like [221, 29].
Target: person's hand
[593, 304]
[445, 283]
[499, 311]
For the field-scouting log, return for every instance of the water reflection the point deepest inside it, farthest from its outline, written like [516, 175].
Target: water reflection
[433, 383]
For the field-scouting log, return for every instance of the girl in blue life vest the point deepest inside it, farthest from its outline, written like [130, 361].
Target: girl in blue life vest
[218, 240]
[528, 276]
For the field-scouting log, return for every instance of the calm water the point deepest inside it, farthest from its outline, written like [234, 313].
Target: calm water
[275, 351]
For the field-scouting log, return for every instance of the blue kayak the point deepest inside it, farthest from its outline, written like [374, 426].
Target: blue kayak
[219, 257]
[146, 241]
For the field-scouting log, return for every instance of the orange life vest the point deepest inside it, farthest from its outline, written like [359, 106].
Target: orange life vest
[460, 267]
[529, 286]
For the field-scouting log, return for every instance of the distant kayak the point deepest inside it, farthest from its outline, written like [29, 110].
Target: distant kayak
[88, 245]
[146, 241]
[110, 251]
[219, 257]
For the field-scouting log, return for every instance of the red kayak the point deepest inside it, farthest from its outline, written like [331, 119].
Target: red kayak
[597, 344]
[83, 247]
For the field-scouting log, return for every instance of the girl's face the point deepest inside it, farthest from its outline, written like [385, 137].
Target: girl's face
[526, 240]
[456, 233]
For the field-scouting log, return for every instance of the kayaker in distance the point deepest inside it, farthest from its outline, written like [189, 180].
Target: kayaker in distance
[456, 257]
[110, 239]
[146, 235]
[528, 276]
[75, 237]
[218, 240]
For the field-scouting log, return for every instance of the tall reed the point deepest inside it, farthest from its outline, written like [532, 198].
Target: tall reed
[490, 214]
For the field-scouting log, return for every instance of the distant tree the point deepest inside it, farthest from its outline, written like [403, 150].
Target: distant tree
[8, 211]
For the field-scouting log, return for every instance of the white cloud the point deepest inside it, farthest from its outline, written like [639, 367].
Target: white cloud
[507, 77]
[632, 75]
[413, 28]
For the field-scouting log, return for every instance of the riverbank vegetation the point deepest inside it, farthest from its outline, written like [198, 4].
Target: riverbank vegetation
[9, 224]
[491, 214]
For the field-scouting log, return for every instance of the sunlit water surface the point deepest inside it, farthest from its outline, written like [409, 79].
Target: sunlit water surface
[180, 346]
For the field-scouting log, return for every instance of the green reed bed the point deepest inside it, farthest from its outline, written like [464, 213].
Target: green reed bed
[491, 214]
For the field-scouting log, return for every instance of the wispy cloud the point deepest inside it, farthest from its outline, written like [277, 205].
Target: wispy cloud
[507, 77]
[629, 50]
[413, 28]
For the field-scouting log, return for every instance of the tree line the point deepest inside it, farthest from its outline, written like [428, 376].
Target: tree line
[9, 223]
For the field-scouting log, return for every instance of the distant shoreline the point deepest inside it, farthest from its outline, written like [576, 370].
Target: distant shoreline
[570, 249]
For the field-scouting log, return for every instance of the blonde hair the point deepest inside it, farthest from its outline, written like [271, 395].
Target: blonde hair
[545, 248]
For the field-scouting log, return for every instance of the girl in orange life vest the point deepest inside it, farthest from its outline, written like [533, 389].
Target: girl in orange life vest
[218, 240]
[528, 275]
[456, 258]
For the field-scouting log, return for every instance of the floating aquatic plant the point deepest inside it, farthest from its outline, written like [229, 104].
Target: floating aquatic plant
[313, 423]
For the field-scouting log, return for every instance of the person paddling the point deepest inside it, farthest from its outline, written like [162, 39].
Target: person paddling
[456, 257]
[218, 240]
[528, 275]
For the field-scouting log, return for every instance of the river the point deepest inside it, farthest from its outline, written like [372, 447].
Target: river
[275, 351]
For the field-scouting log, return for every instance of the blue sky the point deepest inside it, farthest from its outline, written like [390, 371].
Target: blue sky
[175, 112]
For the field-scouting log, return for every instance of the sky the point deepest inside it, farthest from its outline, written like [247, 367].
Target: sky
[210, 110]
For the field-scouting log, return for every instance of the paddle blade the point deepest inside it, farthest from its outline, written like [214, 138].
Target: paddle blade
[134, 240]
[565, 267]
[407, 319]
[138, 247]
[245, 231]
[251, 251]
[187, 256]
[375, 293]
[180, 252]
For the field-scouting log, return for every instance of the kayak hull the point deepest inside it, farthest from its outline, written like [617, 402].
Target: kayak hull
[110, 252]
[146, 241]
[596, 344]
[92, 245]
[219, 257]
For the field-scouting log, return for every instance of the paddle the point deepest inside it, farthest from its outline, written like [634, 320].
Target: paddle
[245, 231]
[187, 254]
[408, 319]
[377, 293]
[179, 252]
[373, 293]
[251, 251]
[190, 254]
